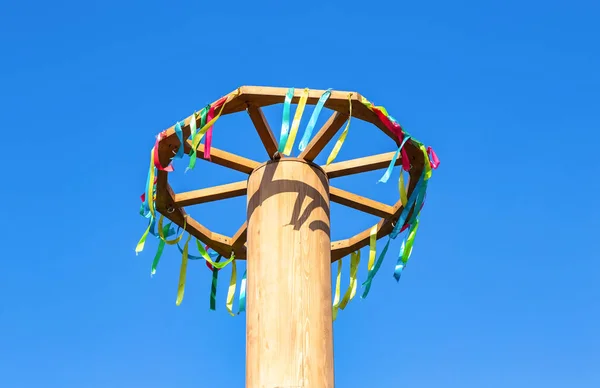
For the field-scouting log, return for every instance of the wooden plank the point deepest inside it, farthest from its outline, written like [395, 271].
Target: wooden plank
[211, 194]
[325, 134]
[227, 159]
[359, 165]
[165, 204]
[360, 203]
[240, 237]
[264, 130]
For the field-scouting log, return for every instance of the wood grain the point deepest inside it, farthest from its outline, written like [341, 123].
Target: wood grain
[289, 339]
[358, 202]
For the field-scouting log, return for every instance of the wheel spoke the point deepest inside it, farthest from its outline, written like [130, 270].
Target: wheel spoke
[363, 204]
[264, 130]
[210, 194]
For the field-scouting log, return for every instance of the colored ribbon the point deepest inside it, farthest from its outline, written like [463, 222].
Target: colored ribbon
[405, 250]
[150, 186]
[372, 247]
[232, 284]
[340, 141]
[202, 131]
[402, 189]
[285, 122]
[351, 290]
[159, 251]
[242, 302]
[209, 132]
[157, 164]
[434, 160]
[371, 274]
[183, 271]
[140, 245]
[207, 257]
[313, 120]
[390, 168]
[296, 123]
[163, 237]
[179, 134]
[213, 286]
[338, 281]
[193, 152]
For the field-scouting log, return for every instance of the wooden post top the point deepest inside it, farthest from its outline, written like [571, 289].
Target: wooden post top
[251, 99]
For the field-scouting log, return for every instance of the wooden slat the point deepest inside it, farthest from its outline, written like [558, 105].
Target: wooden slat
[359, 165]
[325, 134]
[264, 130]
[211, 194]
[227, 159]
[342, 248]
[357, 202]
[165, 205]
[239, 238]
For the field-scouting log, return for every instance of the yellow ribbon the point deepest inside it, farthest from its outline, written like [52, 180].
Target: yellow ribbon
[426, 160]
[338, 281]
[183, 271]
[206, 257]
[162, 235]
[402, 189]
[140, 245]
[372, 248]
[351, 290]
[200, 134]
[342, 138]
[149, 191]
[296, 123]
[232, 284]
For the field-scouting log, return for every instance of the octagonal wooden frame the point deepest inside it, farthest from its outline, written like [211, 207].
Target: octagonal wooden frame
[252, 99]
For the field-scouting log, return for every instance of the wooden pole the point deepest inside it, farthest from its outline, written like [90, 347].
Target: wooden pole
[289, 331]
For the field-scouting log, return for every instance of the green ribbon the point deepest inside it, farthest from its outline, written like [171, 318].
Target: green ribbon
[161, 248]
[213, 286]
[193, 155]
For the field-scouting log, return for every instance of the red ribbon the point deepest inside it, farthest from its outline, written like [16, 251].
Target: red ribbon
[210, 116]
[157, 164]
[209, 265]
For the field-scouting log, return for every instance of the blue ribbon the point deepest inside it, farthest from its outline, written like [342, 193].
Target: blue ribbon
[179, 134]
[313, 120]
[388, 172]
[242, 304]
[400, 264]
[373, 272]
[285, 123]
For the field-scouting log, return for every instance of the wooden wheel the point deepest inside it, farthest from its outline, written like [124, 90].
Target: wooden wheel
[252, 99]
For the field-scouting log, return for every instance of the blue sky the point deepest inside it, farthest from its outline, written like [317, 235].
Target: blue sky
[502, 287]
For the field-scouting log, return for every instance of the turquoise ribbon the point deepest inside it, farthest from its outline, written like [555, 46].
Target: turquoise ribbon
[285, 123]
[405, 250]
[388, 172]
[242, 304]
[313, 120]
[213, 285]
[373, 272]
[179, 134]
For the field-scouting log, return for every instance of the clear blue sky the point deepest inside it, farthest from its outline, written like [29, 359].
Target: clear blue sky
[502, 288]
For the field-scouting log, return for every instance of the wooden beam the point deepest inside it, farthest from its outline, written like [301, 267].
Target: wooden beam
[360, 203]
[240, 237]
[227, 159]
[325, 134]
[359, 165]
[264, 130]
[211, 194]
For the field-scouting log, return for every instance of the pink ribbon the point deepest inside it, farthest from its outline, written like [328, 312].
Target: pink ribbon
[434, 161]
